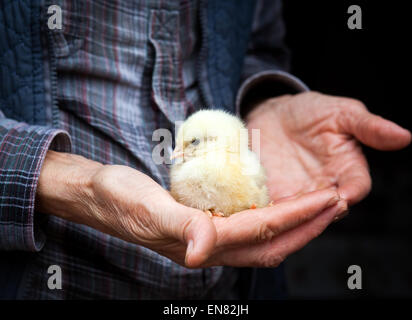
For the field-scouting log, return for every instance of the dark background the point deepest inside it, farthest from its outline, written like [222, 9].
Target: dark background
[373, 65]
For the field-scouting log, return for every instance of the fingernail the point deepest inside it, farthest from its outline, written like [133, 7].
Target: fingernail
[189, 249]
[333, 201]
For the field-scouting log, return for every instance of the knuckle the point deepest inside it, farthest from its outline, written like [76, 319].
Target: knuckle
[352, 103]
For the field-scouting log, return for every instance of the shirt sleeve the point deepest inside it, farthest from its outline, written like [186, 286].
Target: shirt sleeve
[266, 67]
[23, 148]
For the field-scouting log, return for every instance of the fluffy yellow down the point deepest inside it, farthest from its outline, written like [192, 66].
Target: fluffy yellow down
[217, 171]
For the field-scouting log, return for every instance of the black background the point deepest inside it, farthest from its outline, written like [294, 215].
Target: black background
[373, 65]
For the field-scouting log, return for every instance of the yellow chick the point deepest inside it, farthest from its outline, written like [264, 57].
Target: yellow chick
[216, 171]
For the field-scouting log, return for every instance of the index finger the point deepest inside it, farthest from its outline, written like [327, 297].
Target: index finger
[257, 225]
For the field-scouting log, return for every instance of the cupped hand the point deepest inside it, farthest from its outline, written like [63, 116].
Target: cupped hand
[132, 206]
[127, 204]
[311, 140]
[265, 237]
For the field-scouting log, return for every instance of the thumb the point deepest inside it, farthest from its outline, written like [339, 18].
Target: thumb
[375, 131]
[197, 231]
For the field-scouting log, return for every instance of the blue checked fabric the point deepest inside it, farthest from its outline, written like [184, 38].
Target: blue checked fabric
[124, 69]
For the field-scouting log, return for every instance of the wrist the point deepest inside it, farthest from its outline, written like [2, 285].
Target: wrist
[267, 106]
[265, 85]
[65, 182]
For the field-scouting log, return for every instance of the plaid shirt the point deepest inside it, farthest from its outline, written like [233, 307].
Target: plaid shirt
[124, 69]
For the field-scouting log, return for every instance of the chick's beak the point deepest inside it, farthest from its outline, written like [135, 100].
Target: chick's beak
[177, 153]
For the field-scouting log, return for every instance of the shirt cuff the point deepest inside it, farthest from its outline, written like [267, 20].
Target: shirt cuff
[22, 151]
[264, 85]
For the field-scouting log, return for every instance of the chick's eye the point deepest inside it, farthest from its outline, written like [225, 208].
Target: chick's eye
[195, 141]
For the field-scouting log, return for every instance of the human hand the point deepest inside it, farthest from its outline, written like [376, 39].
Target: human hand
[311, 141]
[127, 204]
[124, 203]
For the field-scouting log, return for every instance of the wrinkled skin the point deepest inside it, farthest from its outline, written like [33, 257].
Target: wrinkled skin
[311, 141]
[127, 204]
[308, 143]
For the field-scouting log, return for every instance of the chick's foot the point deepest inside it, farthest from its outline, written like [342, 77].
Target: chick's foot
[212, 213]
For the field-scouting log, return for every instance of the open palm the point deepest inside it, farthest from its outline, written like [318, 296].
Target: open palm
[309, 141]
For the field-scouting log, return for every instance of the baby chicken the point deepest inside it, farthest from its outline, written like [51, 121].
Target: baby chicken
[217, 172]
